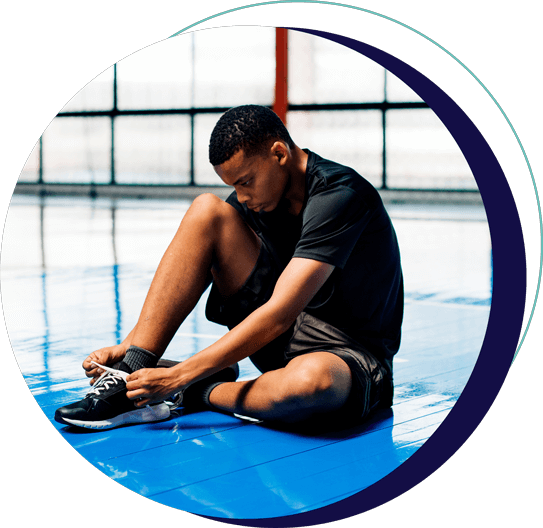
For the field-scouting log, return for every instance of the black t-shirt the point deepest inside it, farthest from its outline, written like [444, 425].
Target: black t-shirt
[343, 222]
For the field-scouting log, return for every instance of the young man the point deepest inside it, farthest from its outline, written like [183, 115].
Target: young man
[306, 274]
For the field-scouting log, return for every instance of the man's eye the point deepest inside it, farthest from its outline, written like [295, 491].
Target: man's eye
[245, 183]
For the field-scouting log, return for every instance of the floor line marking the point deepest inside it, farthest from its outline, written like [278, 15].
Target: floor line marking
[448, 304]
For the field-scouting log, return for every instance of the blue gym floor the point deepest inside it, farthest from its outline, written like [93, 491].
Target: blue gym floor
[75, 273]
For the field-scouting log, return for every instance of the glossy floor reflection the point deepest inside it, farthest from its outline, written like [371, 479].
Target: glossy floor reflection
[75, 273]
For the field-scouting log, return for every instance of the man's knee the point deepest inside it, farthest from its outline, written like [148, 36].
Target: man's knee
[214, 212]
[317, 379]
[211, 215]
[208, 206]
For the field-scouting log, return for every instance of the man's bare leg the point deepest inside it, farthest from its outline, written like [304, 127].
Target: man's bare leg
[212, 240]
[310, 384]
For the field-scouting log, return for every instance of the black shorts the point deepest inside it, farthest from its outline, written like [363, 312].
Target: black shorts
[372, 387]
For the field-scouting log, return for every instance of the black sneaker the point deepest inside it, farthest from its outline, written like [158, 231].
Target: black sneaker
[106, 405]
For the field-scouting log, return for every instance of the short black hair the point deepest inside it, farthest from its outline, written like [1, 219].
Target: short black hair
[248, 127]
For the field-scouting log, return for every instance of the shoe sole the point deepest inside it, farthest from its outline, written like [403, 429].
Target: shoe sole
[155, 413]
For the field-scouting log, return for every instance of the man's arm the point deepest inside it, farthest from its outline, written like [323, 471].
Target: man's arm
[297, 285]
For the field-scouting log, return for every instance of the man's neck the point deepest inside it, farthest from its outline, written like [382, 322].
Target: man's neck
[295, 193]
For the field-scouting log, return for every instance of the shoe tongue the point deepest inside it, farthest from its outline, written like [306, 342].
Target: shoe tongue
[124, 367]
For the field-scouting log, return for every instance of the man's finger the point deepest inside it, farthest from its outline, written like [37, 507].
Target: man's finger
[87, 364]
[132, 383]
[94, 373]
[135, 394]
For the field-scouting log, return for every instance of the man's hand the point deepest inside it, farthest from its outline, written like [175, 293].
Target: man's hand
[105, 356]
[152, 385]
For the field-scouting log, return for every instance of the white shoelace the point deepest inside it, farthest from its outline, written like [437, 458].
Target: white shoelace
[109, 378]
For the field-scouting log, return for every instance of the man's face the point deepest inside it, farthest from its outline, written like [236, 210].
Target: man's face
[259, 180]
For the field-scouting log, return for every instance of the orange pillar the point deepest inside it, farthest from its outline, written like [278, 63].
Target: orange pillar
[280, 104]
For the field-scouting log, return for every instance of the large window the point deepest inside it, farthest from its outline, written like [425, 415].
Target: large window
[156, 77]
[147, 120]
[352, 138]
[322, 71]
[423, 154]
[77, 150]
[234, 66]
[152, 149]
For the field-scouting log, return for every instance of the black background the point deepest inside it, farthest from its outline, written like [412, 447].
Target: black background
[51, 53]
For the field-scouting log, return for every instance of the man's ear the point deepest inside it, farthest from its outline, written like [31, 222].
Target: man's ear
[280, 151]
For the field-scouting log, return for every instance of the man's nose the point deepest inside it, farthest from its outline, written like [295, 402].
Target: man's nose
[243, 197]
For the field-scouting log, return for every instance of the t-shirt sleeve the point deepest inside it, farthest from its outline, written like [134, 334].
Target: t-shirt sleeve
[332, 224]
[233, 201]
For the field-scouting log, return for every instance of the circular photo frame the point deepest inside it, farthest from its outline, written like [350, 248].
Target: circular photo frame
[506, 315]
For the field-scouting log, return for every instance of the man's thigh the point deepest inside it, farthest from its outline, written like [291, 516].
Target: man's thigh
[236, 247]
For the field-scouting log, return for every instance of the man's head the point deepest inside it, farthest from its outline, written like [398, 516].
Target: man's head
[250, 128]
[251, 150]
